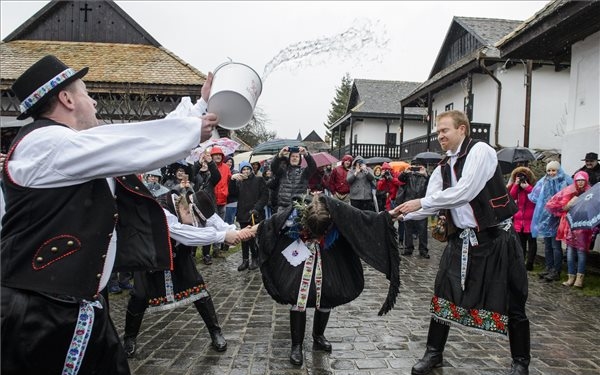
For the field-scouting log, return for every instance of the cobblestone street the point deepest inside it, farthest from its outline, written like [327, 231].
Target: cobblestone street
[565, 330]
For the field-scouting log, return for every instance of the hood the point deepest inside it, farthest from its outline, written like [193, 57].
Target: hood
[347, 158]
[526, 171]
[217, 150]
[357, 159]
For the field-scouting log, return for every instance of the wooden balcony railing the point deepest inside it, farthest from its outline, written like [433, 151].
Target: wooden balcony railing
[407, 150]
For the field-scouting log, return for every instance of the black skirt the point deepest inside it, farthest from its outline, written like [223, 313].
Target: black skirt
[166, 290]
[495, 284]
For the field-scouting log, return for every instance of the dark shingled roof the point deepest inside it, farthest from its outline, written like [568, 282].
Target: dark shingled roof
[487, 30]
[382, 96]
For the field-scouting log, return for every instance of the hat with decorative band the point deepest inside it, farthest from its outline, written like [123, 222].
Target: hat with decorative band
[41, 81]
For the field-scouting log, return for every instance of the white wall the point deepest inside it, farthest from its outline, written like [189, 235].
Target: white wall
[373, 130]
[548, 105]
[583, 118]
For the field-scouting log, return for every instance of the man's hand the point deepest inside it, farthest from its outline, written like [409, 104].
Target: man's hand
[247, 233]
[205, 92]
[410, 206]
[396, 214]
[231, 237]
[209, 123]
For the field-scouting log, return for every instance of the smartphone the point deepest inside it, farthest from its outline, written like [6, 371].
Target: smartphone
[294, 149]
[415, 169]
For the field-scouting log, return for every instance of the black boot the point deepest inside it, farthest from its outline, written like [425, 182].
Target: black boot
[244, 265]
[254, 253]
[436, 341]
[297, 327]
[319, 325]
[207, 311]
[133, 322]
[519, 338]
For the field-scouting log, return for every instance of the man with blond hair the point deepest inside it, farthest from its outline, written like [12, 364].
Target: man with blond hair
[482, 281]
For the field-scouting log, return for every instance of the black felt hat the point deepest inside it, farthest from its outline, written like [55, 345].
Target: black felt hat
[591, 156]
[41, 81]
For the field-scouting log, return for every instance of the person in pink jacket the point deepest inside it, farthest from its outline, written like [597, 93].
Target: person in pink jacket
[578, 240]
[520, 185]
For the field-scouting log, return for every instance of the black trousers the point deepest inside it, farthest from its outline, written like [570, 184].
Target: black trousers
[37, 332]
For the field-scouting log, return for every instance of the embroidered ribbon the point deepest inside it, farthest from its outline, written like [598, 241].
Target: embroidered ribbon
[506, 224]
[37, 95]
[81, 337]
[169, 287]
[468, 236]
[307, 272]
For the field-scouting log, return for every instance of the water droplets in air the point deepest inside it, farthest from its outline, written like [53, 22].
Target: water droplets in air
[364, 41]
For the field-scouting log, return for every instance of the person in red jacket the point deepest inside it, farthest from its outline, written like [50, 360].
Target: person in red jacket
[221, 193]
[389, 183]
[338, 185]
[521, 183]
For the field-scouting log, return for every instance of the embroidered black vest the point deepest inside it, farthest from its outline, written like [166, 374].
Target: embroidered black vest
[55, 240]
[493, 204]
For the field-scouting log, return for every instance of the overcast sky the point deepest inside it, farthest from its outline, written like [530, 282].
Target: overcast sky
[387, 40]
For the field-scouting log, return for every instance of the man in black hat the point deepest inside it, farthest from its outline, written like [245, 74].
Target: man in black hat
[591, 167]
[66, 212]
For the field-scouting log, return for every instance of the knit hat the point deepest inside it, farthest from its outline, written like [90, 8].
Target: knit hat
[386, 166]
[347, 158]
[245, 164]
[553, 165]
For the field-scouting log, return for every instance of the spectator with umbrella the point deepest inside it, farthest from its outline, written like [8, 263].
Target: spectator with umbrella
[510, 158]
[578, 240]
[544, 224]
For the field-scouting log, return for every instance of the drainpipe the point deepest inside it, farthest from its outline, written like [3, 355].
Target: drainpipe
[498, 97]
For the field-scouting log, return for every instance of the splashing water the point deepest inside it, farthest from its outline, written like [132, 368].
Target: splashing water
[363, 35]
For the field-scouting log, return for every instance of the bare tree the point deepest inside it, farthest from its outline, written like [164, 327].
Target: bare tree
[256, 131]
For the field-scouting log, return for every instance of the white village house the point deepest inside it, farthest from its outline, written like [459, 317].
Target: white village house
[567, 32]
[510, 102]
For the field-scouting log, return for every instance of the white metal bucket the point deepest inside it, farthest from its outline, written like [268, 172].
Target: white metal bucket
[234, 93]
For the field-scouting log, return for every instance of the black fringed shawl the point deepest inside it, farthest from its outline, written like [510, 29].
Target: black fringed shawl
[363, 235]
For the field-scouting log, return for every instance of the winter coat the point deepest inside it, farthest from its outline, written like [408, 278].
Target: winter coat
[222, 188]
[522, 219]
[543, 223]
[207, 180]
[252, 197]
[361, 185]
[389, 186]
[293, 179]
[337, 181]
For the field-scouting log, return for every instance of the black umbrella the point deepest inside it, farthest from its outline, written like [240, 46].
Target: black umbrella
[428, 157]
[510, 157]
[274, 146]
[377, 160]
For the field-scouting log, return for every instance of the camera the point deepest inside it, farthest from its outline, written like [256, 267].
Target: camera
[292, 149]
[415, 169]
[521, 179]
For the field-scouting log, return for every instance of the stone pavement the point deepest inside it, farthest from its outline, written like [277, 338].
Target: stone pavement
[565, 330]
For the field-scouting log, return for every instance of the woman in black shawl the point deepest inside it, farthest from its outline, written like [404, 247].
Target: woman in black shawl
[310, 257]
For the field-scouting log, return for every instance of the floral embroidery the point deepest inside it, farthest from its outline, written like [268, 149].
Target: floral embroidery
[476, 318]
[193, 291]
